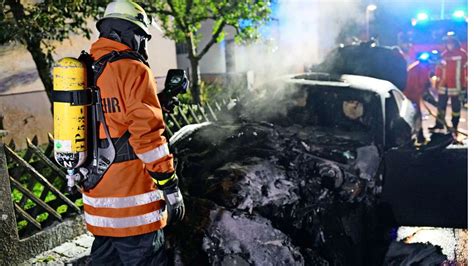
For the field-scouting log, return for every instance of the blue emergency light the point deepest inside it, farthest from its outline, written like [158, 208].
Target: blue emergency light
[422, 16]
[459, 14]
[424, 56]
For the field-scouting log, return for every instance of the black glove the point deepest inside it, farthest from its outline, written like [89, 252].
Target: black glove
[174, 203]
[168, 103]
[168, 183]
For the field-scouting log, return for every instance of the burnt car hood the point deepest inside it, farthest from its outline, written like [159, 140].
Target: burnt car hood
[356, 155]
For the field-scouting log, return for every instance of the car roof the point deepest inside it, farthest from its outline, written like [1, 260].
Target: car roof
[364, 83]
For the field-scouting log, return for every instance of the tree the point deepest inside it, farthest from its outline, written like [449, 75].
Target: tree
[181, 21]
[38, 24]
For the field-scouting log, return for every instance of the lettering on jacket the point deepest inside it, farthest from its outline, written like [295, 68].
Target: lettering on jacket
[111, 105]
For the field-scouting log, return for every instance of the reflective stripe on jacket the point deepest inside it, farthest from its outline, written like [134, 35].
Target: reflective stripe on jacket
[126, 201]
[453, 70]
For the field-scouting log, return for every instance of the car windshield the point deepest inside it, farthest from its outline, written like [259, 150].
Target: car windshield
[340, 110]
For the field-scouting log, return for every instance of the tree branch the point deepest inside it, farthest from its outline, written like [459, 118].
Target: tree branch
[212, 41]
[189, 4]
[175, 15]
[199, 19]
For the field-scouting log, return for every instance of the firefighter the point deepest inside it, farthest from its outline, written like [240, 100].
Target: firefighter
[125, 211]
[418, 81]
[451, 73]
[405, 45]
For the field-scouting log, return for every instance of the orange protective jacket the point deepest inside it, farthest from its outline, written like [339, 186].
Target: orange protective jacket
[126, 201]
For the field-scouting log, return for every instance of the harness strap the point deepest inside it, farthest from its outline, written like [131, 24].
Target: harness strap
[124, 151]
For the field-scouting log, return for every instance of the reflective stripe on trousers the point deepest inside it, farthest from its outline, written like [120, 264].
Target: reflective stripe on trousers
[155, 154]
[449, 91]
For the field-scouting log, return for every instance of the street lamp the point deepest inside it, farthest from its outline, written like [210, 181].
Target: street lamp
[369, 9]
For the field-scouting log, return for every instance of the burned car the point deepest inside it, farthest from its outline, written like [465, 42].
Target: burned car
[312, 169]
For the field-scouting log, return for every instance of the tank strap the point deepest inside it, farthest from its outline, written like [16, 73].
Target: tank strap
[75, 98]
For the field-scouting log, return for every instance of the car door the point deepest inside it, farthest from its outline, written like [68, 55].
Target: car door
[426, 187]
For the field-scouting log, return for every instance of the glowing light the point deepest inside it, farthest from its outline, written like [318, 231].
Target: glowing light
[459, 14]
[424, 56]
[422, 16]
[371, 7]
[434, 52]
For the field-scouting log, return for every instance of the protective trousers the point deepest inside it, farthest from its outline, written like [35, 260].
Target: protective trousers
[146, 249]
[455, 108]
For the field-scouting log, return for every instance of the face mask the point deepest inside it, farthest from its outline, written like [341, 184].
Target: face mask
[140, 45]
[143, 49]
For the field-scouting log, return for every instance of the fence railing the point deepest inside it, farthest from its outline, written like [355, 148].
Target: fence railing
[38, 186]
[34, 205]
[192, 114]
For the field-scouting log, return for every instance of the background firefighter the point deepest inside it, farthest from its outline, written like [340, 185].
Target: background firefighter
[418, 81]
[125, 211]
[452, 74]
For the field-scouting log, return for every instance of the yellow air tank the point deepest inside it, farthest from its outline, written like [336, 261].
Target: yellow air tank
[70, 121]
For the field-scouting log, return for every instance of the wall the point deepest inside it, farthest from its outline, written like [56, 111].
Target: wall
[26, 115]
[214, 60]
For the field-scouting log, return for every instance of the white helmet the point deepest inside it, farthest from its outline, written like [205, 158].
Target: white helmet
[127, 10]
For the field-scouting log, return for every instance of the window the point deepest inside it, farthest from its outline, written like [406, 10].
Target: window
[181, 48]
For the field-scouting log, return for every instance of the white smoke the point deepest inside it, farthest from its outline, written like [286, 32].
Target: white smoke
[301, 33]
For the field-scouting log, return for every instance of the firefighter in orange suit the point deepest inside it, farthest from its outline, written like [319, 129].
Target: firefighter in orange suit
[452, 80]
[125, 211]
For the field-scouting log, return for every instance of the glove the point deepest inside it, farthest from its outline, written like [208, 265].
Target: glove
[174, 203]
[168, 103]
[168, 183]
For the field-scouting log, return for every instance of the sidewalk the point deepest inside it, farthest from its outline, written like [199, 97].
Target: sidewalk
[73, 252]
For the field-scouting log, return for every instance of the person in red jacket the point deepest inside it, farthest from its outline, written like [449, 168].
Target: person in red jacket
[418, 81]
[137, 197]
[452, 80]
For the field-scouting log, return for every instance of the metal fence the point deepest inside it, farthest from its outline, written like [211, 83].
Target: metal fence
[34, 205]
